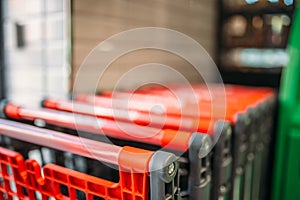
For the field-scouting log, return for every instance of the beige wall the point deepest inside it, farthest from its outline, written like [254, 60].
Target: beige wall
[96, 20]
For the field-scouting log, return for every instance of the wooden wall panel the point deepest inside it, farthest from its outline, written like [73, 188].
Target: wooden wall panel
[96, 20]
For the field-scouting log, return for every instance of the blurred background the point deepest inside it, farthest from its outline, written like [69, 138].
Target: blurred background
[44, 42]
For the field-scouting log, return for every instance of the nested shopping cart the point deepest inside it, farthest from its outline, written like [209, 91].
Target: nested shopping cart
[238, 158]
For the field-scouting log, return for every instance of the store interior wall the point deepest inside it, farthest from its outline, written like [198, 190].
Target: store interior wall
[93, 21]
[41, 59]
[36, 49]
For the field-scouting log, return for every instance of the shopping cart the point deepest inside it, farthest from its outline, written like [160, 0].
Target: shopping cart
[142, 174]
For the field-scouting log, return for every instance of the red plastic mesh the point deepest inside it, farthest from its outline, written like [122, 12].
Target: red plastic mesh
[27, 180]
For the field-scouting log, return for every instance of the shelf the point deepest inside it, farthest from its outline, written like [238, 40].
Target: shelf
[271, 10]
